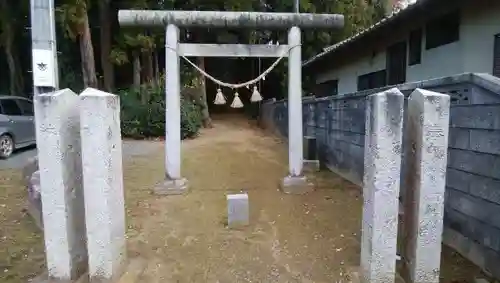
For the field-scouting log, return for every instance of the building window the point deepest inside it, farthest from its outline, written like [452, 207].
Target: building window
[443, 30]
[364, 82]
[415, 45]
[396, 63]
[327, 88]
[496, 56]
[334, 87]
[372, 80]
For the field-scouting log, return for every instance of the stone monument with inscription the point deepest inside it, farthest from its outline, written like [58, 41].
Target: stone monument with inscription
[428, 118]
[61, 188]
[383, 138]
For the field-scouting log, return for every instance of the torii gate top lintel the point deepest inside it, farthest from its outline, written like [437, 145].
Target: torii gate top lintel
[219, 19]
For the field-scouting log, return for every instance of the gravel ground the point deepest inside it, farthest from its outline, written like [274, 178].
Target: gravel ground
[131, 148]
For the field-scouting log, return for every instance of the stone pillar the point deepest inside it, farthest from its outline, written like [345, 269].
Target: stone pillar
[426, 158]
[384, 123]
[173, 183]
[295, 182]
[59, 159]
[103, 183]
[295, 136]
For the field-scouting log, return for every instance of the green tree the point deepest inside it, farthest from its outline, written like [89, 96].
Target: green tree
[119, 50]
[106, 40]
[73, 17]
[10, 15]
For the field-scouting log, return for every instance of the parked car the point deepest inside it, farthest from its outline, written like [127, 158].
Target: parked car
[17, 124]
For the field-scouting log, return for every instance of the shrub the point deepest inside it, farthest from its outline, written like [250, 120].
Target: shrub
[143, 113]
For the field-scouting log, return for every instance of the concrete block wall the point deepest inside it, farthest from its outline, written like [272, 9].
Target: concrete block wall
[472, 203]
[473, 182]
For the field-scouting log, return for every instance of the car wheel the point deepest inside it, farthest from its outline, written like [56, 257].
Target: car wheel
[6, 146]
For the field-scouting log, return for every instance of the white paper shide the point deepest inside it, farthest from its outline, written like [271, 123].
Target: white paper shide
[43, 68]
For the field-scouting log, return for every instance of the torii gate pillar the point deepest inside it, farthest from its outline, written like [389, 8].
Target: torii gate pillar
[174, 183]
[295, 182]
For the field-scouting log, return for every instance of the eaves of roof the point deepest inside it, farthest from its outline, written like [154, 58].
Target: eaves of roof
[413, 10]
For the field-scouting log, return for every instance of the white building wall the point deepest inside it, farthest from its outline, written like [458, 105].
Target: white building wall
[480, 28]
[348, 74]
[442, 61]
[473, 53]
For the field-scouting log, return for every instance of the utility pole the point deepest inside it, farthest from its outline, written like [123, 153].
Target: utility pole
[297, 6]
[44, 49]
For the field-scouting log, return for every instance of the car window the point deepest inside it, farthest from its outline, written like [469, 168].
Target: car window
[10, 107]
[26, 107]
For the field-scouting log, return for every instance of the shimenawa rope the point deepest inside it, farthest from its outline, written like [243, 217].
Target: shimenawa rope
[240, 85]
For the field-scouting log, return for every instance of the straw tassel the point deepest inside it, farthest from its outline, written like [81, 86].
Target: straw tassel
[219, 98]
[256, 97]
[236, 101]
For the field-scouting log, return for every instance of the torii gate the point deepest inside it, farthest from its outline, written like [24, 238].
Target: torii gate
[295, 182]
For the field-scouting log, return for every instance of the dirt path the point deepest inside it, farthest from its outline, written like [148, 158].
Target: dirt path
[311, 238]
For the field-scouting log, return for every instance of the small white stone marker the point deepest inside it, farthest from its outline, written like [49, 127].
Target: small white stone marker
[59, 159]
[103, 183]
[237, 210]
[383, 138]
[425, 180]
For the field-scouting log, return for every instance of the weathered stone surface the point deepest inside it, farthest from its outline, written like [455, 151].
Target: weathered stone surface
[32, 183]
[238, 211]
[219, 19]
[173, 183]
[296, 185]
[425, 179]
[172, 187]
[103, 183]
[384, 123]
[34, 205]
[29, 169]
[58, 126]
[295, 182]
[232, 50]
[295, 133]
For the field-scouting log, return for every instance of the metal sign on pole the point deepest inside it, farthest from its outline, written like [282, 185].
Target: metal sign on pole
[44, 47]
